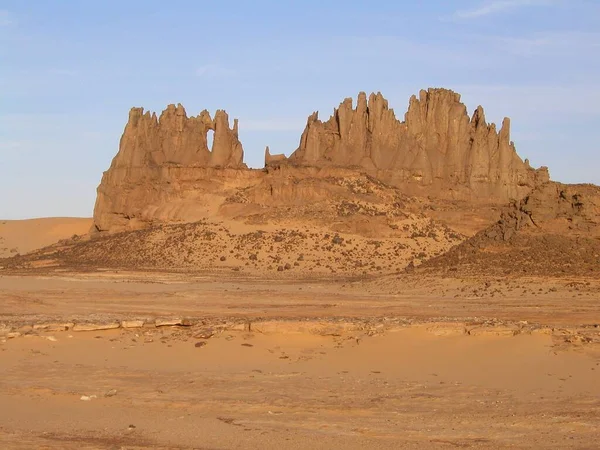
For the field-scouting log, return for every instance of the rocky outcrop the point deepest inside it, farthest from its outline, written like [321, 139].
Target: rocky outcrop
[551, 208]
[175, 139]
[273, 160]
[554, 230]
[438, 149]
[161, 166]
[164, 171]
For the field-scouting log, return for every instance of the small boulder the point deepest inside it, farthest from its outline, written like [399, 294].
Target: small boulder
[96, 326]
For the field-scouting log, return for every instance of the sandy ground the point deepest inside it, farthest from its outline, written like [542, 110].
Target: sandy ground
[22, 236]
[395, 362]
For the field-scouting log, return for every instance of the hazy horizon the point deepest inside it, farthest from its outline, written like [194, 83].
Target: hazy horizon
[70, 72]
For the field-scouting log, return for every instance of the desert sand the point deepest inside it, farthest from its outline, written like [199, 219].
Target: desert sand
[390, 284]
[23, 236]
[390, 363]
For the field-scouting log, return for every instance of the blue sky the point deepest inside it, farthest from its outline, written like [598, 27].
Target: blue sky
[70, 71]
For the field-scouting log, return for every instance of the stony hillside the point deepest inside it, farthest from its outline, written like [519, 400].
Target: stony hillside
[353, 225]
[553, 231]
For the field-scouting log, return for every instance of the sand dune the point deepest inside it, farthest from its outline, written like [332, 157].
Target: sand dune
[23, 236]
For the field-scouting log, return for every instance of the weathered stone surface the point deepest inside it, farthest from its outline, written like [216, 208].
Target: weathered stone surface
[175, 139]
[155, 156]
[551, 207]
[96, 326]
[53, 326]
[110, 393]
[494, 331]
[273, 160]
[132, 323]
[164, 171]
[553, 231]
[438, 149]
[205, 333]
[446, 329]
[173, 322]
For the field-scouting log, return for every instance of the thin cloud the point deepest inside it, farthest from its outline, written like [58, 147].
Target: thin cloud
[552, 43]
[498, 7]
[10, 145]
[214, 71]
[6, 18]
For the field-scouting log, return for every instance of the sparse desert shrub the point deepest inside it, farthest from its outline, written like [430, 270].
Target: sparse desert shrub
[337, 240]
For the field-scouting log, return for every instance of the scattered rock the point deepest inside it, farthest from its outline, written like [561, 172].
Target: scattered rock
[53, 326]
[96, 326]
[133, 323]
[494, 331]
[173, 323]
[446, 329]
[110, 393]
[205, 334]
[25, 329]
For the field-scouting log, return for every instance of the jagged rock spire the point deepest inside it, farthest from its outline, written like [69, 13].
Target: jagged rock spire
[437, 144]
[176, 139]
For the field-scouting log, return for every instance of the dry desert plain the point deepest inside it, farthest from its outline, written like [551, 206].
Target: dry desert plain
[398, 361]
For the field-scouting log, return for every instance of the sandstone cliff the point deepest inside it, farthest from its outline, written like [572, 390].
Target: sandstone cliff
[176, 139]
[156, 155]
[164, 171]
[437, 150]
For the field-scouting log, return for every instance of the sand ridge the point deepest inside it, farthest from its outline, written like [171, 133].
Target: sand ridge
[23, 236]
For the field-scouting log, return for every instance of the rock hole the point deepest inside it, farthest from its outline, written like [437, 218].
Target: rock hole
[210, 137]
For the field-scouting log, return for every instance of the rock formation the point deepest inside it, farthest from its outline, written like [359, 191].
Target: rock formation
[162, 161]
[178, 140]
[551, 208]
[273, 160]
[553, 230]
[164, 171]
[438, 147]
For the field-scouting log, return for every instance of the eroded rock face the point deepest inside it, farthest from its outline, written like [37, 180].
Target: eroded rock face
[178, 140]
[159, 160]
[552, 208]
[273, 160]
[438, 149]
[553, 231]
[164, 171]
